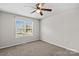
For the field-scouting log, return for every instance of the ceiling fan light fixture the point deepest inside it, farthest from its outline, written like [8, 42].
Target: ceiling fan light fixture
[38, 11]
[40, 8]
[40, 5]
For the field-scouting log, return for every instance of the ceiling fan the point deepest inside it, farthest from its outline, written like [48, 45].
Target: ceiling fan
[39, 8]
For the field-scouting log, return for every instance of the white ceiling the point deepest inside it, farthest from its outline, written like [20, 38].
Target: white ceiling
[25, 9]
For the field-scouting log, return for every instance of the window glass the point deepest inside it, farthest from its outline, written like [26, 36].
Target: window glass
[23, 27]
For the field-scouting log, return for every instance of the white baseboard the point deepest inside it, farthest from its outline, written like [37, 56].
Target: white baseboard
[62, 46]
[17, 44]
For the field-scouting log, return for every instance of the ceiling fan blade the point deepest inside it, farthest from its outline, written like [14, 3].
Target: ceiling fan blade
[37, 5]
[41, 5]
[46, 9]
[41, 13]
[33, 11]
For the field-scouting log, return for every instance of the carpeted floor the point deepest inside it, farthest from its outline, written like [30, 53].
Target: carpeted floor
[36, 48]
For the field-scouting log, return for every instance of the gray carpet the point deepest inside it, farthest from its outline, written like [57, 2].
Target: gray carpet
[36, 48]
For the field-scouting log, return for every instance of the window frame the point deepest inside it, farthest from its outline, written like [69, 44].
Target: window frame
[23, 18]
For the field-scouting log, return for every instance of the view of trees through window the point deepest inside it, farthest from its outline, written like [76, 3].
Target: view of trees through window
[23, 27]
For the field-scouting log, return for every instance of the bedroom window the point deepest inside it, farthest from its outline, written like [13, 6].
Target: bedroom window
[24, 27]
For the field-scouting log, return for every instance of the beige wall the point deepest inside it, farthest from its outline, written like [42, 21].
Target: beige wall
[8, 31]
[62, 29]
